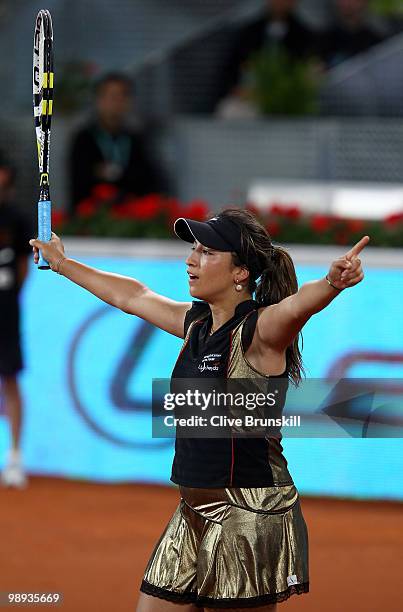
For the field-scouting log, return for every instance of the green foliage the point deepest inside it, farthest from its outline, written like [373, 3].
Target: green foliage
[386, 7]
[290, 224]
[282, 85]
[153, 216]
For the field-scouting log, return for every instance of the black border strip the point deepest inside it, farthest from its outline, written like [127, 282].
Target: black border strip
[245, 602]
[185, 597]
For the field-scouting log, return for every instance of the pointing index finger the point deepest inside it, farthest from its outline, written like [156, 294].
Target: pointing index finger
[357, 248]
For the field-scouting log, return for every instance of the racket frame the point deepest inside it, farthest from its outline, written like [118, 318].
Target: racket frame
[42, 87]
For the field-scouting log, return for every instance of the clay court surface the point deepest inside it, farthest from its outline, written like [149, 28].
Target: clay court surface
[91, 542]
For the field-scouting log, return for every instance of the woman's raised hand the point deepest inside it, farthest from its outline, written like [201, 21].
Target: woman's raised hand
[52, 251]
[346, 271]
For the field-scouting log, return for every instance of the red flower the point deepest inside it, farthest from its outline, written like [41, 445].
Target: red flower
[292, 212]
[119, 212]
[273, 227]
[143, 208]
[355, 225]
[276, 209]
[394, 218]
[87, 208]
[148, 207]
[58, 217]
[127, 210]
[174, 209]
[104, 191]
[196, 210]
[320, 223]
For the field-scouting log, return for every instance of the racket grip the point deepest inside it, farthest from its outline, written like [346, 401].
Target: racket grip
[44, 229]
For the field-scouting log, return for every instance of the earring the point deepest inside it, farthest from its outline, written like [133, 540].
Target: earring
[238, 287]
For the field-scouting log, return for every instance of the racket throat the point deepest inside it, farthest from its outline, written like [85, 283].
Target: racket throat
[44, 193]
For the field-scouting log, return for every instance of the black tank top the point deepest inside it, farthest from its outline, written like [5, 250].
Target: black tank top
[224, 462]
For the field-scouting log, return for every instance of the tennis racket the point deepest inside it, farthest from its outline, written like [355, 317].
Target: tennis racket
[42, 87]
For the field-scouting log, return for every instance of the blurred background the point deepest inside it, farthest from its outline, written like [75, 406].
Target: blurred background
[162, 109]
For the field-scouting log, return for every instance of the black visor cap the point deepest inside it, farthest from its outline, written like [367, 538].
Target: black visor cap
[217, 233]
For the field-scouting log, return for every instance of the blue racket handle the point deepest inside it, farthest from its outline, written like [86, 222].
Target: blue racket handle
[44, 229]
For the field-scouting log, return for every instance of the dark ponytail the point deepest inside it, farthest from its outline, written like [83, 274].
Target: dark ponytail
[272, 274]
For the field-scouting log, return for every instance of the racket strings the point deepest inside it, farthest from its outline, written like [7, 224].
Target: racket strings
[46, 104]
[43, 90]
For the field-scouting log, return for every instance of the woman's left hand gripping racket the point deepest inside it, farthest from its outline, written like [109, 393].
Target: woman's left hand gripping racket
[43, 106]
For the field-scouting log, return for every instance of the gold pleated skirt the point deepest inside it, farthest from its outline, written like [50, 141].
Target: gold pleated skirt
[229, 547]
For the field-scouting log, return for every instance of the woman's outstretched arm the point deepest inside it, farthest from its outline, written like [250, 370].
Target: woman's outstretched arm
[280, 323]
[127, 294]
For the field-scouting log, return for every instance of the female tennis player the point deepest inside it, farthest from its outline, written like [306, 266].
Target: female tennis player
[237, 538]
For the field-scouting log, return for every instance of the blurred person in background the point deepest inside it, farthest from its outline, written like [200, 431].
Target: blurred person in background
[350, 33]
[14, 234]
[279, 26]
[108, 150]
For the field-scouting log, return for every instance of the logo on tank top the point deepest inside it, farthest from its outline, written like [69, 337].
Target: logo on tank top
[211, 362]
[292, 580]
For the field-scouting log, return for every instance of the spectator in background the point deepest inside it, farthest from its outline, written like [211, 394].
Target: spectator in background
[350, 33]
[15, 231]
[109, 151]
[278, 26]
